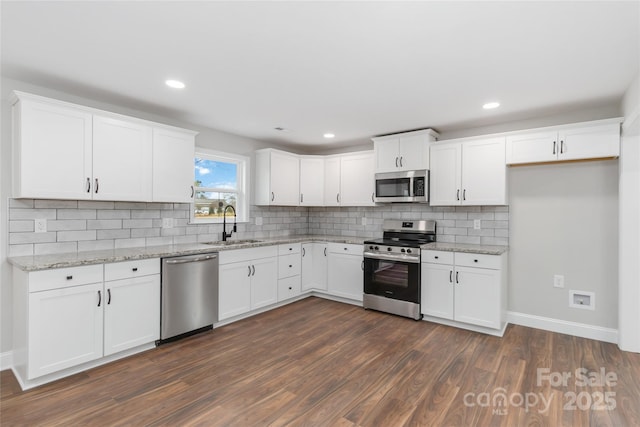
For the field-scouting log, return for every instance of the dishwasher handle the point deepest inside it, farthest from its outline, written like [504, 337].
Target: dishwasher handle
[184, 261]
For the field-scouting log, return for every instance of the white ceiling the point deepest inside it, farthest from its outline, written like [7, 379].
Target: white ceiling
[356, 69]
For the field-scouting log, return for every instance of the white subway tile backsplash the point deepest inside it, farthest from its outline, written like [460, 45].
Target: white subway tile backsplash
[89, 225]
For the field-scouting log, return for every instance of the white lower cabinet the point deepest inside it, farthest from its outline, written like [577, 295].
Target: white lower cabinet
[248, 279]
[463, 287]
[314, 266]
[289, 269]
[345, 271]
[69, 316]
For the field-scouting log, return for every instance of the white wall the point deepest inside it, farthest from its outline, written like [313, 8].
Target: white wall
[564, 220]
[629, 298]
[207, 138]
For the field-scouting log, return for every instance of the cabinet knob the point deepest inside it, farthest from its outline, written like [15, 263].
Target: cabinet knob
[436, 257]
[69, 277]
[475, 260]
[290, 265]
[290, 288]
[134, 269]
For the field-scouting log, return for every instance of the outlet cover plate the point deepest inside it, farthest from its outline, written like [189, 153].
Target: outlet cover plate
[167, 222]
[40, 225]
[558, 281]
[476, 224]
[582, 299]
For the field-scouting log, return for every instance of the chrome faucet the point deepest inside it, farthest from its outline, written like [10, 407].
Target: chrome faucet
[225, 236]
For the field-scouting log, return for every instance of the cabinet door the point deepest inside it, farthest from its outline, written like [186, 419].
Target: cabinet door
[445, 177]
[122, 160]
[589, 142]
[65, 328]
[307, 267]
[484, 172]
[532, 148]
[414, 152]
[131, 313]
[387, 157]
[437, 290]
[477, 296]
[173, 169]
[345, 276]
[320, 266]
[285, 179]
[311, 181]
[52, 151]
[234, 289]
[288, 288]
[357, 179]
[332, 181]
[264, 282]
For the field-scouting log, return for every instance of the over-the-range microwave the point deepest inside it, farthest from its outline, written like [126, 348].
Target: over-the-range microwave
[407, 186]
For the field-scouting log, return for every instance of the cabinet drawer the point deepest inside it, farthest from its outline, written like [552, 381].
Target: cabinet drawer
[289, 265]
[129, 269]
[345, 248]
[251, 254]
[478, 260]
[437, 257]
[65, 277]
[288, 288]
[291, 248]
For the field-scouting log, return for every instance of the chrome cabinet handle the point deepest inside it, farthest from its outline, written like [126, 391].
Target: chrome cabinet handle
[99, 298]
[338, 197]
[554, 147]
[108, 296]
[450, 276]
[193, 191]
[254, 270]
[458, 194]
[97, 186]
[464, 194]
[303, 252]
[273, 196]
[457, 277]
[400, 161]
[396, 162]
[184, 261]
[561, 147]
[325, 251]
[88, 185]
[249, 267]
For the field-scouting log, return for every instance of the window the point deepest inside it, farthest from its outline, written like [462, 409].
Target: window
[220, 180]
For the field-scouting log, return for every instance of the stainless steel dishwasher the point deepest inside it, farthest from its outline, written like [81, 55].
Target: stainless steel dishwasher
[189, 297]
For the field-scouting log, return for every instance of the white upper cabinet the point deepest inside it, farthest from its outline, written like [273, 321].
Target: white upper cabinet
[593, 140]
[468, 173]
[311, 180]
[67, 151]
[332, 181]
[277, 178]
[357, 179]
[122, 160]
[52, 150]
[173, 170]
[404, 151]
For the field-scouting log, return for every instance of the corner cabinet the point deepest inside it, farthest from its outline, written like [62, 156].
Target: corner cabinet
[314, 266]
[591, 140]
[68, 317]
[403, 151]
[277, 180]
[468, 173]
[67, 151]
[468, 289]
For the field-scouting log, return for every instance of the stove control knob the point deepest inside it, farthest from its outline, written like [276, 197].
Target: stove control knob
[408, 251]
[377, 248]
[402, 250]
[389, 249]
[370, 248]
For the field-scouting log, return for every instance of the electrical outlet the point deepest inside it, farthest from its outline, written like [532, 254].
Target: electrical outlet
[476, 224]
[41, 225]
[167, 222]
[258, 220]
[363, 220]
[582, 299]
[558, 281]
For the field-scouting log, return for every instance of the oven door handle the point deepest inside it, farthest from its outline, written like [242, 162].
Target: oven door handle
[400, 258]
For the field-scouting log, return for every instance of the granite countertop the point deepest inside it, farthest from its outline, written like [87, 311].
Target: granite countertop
[465, 247]
[74, 259]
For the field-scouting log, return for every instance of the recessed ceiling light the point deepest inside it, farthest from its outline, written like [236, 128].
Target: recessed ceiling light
[329, 135]
[176, 84]
[491, 105]
[281, 129]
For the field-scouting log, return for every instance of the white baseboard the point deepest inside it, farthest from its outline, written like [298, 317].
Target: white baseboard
[6, 360]
[564, 327]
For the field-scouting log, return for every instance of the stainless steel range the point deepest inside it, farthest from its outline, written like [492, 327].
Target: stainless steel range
[392, 267]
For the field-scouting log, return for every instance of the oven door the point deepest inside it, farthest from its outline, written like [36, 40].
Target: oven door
[395, 279]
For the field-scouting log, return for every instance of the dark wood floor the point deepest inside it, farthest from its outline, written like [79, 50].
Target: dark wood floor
[319, 362]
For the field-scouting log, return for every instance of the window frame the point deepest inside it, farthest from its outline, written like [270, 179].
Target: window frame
[242, 199]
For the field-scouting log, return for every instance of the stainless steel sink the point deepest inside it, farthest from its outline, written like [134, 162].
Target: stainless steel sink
[233, 242]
